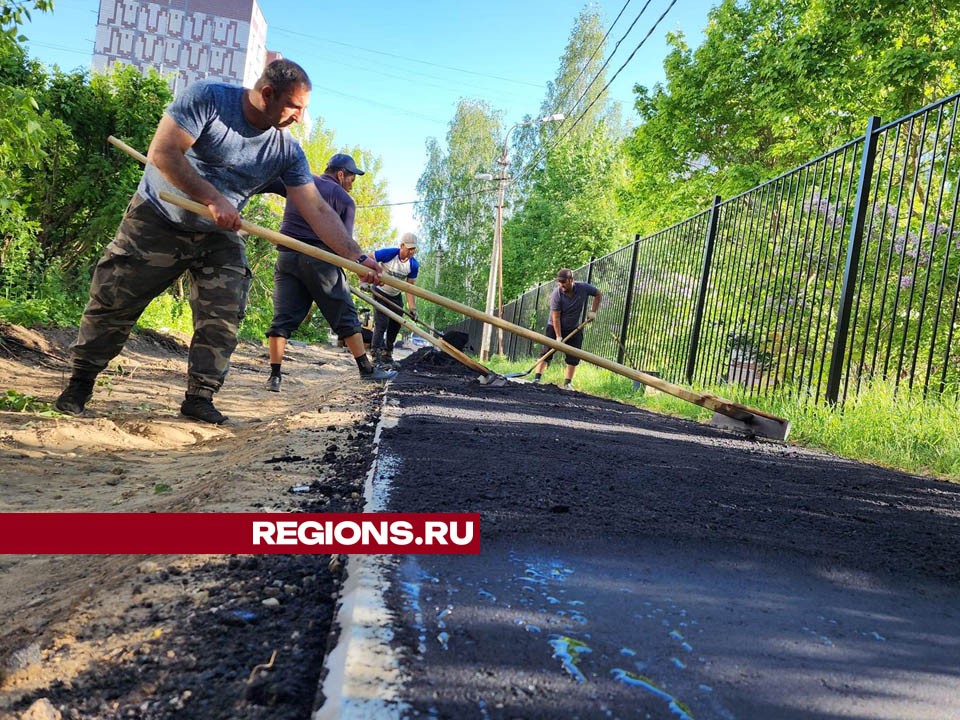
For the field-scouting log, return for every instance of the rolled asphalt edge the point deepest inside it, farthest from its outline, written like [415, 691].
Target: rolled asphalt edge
[361, 674]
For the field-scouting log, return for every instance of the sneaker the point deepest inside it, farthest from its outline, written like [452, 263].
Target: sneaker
[75, 397]
[273, 383]
[378, 374]
[201, 408]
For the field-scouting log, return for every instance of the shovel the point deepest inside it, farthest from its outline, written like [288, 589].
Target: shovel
[549, 353]
[487, 376]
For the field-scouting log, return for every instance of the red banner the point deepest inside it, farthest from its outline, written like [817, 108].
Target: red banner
[240, 533]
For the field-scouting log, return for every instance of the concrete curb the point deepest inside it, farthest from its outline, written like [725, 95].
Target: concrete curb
[362, 678]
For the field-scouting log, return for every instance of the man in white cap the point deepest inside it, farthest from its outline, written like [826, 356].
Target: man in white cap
[299, 280]
[398, 262]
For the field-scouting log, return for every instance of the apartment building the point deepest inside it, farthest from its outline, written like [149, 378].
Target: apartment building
[185, 40]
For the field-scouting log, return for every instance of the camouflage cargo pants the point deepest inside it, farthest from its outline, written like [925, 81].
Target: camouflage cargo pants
[145, 257]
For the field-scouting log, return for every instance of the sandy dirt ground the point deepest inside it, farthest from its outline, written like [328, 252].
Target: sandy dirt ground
[174, 636]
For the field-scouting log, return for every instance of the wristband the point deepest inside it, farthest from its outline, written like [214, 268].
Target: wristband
[362, 259]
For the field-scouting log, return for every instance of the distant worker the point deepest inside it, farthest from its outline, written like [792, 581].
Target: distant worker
[217, 144]
[566, 307]
[299, 280]
[400, 263]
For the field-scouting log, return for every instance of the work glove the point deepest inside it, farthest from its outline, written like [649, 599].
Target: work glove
[413, 314]
[591, 316]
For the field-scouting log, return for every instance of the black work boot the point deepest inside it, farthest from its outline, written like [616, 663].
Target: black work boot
[384, 358]
[368, 371]
[201, 408]
[75, 397]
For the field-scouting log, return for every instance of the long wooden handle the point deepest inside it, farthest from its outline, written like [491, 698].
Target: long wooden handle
[117, 143]
[707, 400]
[551, 351]
[712, 402]
[397, 308]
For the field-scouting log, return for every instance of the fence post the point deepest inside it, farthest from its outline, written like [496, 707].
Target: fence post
[853, 260]
[628, 302]
[517, 316]
[536, 309]
[694, 348]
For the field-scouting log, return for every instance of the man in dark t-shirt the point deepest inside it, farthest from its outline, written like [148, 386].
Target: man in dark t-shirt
[567, 302]
[300, 280]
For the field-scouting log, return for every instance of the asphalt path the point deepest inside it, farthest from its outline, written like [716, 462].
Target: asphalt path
[639, 566]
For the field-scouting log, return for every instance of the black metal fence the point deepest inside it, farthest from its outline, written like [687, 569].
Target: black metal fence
[841, 271]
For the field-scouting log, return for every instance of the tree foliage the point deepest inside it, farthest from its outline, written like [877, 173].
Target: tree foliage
[80, 190]
[569, 211]
[776, 83]
[457, 213]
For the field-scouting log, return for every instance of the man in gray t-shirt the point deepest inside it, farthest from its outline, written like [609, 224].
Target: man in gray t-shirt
[218, 145]
[567, 302]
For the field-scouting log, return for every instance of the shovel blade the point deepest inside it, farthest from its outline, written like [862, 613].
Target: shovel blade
[492, 380]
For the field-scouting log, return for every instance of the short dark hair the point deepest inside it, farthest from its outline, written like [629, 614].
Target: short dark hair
[283, 74]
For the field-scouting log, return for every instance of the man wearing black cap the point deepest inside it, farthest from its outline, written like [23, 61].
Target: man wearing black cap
[300, 280]
[567, 302]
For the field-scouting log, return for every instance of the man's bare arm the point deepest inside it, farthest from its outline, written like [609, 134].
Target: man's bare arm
[327, 225]
[411, 298]
[166, 152]
[596, 300]
[555, 321]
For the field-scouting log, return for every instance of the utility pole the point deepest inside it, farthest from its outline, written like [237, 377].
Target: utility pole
[495, 278]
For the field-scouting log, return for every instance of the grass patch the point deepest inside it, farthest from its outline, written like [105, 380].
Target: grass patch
[900, 430]
[13, 401]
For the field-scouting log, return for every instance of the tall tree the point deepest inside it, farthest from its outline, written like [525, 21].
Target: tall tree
[776, 82]
[80, 190]
[22, 136]
[457, 214]
[570, 172]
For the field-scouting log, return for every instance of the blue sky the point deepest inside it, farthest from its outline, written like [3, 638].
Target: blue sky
[388, 74]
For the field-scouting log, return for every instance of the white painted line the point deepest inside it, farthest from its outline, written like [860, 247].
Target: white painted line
[362, 678]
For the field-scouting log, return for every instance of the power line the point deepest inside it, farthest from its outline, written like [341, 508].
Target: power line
[442, 83]
[609, 58]
[380, 104]
[30, 43]
[597, 49]
[402, 57]
[421, 202]
[538, 156]
[544, 152]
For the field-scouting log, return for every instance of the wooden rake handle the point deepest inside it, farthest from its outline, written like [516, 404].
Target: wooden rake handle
[719, 405]
[549, 353]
